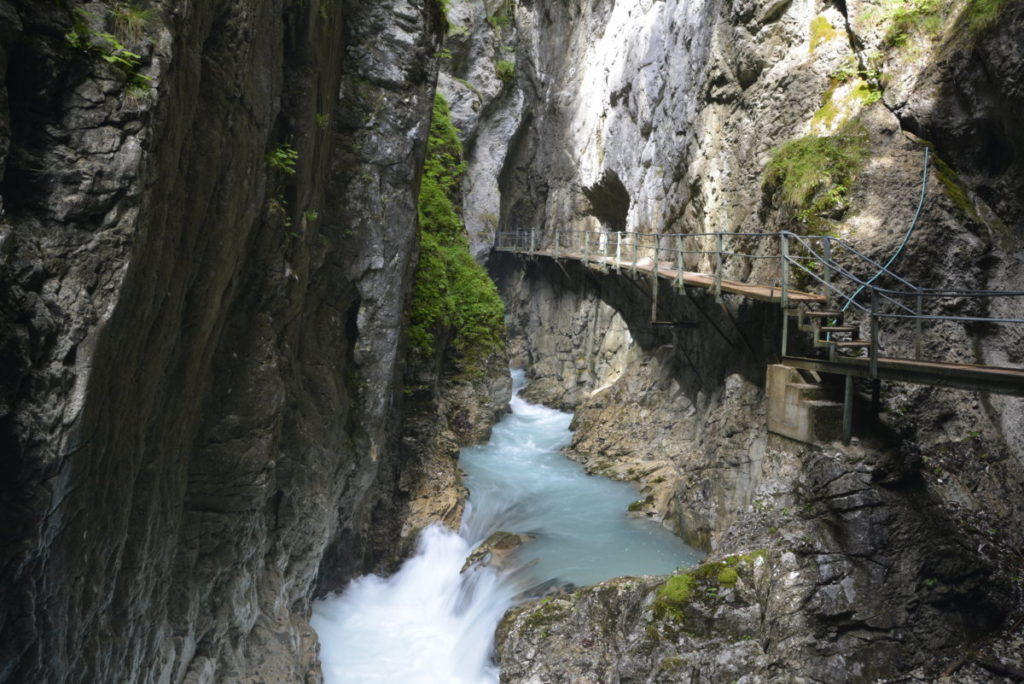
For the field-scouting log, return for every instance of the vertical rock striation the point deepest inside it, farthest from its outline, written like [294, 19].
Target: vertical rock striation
[203, 285]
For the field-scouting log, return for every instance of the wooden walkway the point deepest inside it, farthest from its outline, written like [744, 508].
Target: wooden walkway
[956, 375]
[667, 270]
[937, 374]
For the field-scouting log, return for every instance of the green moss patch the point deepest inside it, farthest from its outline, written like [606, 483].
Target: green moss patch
[700, 584]
[452, 294]
[673, 597]
[907, 18]
[547, 613]
[822, 31]
[506, 70]
[727, 577]
[640, 504]
[981, 15]
[812, 175]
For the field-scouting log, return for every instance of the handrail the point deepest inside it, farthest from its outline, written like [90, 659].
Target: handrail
[910, 230]
[718, 252]
[849, 276]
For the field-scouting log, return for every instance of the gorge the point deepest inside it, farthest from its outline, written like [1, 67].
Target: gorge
[216, 407]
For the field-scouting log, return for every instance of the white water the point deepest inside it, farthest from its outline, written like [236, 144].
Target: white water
[427, 624]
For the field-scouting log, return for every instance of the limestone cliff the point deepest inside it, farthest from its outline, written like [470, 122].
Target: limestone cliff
[662, 117]
[207, 230]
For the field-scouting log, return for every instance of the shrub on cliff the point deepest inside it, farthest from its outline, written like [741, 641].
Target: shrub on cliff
[452, 293]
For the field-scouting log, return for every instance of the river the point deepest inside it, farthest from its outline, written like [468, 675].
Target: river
[431, 624]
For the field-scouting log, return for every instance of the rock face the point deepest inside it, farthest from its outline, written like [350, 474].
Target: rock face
[445, 411]
[202, 295]
[479, 82]
[662, 117]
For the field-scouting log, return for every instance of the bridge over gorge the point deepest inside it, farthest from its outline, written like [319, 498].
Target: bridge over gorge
[826, 289]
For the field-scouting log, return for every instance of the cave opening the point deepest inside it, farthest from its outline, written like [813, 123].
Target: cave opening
[609, 201]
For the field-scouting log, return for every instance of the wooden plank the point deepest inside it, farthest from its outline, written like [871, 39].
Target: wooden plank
[763, 293]
[960, 376]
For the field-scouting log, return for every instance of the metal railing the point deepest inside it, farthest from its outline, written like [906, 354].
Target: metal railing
[828, 266]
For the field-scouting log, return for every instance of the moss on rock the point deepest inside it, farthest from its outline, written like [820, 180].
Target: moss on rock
[727, 577]
[822, 31]
[700, 584]
[812, 175]
[452, 293]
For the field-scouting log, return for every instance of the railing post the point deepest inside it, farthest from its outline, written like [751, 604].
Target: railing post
[679, 261]
[785, 271]
[586, 247]
[635, 235]
[618, 251]
[785, 333]
[919, 312]
[848, 410]
[556, 247]
[827, 274]
[718, 267]
[873, 349]
[654, 280]
[533, 241]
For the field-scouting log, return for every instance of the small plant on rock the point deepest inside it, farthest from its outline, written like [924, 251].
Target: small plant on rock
[283, 159]
[506, 70]
[130, 21]
[107, 47]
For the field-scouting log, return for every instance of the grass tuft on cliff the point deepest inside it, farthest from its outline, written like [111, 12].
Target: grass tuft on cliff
[812, 175]
[959, 20]
[452, 294]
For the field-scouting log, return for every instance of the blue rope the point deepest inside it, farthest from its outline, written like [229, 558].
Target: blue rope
[906, 238]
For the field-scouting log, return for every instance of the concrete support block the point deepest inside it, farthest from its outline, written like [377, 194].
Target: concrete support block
[800, 410]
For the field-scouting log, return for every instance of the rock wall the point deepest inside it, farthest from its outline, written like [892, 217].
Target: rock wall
[661, 117]
[203, 283]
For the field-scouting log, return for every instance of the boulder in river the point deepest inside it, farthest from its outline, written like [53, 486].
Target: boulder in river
[494, 550]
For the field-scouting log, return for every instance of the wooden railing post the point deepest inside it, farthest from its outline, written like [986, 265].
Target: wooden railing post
[618, 250]
[533, 243]
[586, 247]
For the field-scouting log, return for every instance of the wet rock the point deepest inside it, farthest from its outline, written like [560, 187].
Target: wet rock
[494, 551]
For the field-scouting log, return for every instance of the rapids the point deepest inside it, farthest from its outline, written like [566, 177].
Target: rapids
[429, 623]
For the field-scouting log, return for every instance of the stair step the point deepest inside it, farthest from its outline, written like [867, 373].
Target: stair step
[809, 376]
[822, 403]
[807, 391]
[839, 328]
[853, 344]
[823, 314]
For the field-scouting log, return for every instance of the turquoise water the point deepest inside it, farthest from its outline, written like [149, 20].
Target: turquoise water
[521, 482]
[431, 624]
